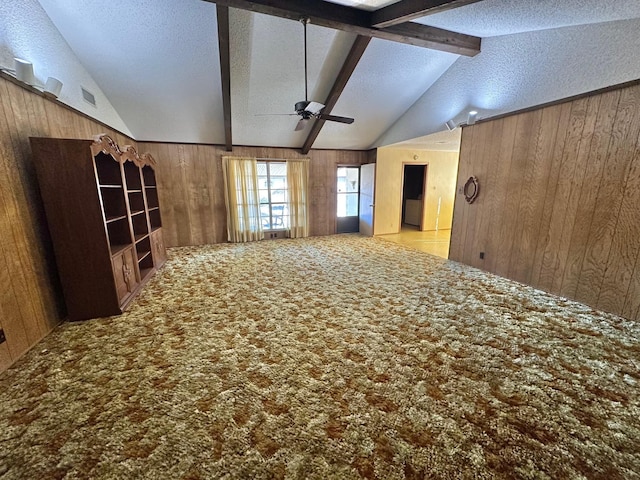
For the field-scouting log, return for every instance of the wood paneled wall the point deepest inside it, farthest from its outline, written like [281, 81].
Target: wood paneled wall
[30, 297]
[190, 187]
[559, 199]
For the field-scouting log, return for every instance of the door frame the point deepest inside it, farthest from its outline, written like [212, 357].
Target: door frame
[424, 191]
[347, 165]
[373, 197]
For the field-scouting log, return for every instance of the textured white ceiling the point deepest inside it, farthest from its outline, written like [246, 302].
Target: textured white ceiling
[388, 80]
[27, 32]
[267, 75]
[365, 4]
[489, 18]
[523, 70]
[446, 141]
[157, 62]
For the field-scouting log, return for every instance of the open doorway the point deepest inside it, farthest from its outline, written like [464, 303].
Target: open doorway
[348, 193]
[393, 221]
[413, 198]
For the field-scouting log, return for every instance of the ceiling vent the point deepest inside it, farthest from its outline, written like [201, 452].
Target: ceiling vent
[88, 96]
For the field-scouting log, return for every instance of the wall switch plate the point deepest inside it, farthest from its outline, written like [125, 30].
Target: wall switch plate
[2, 337]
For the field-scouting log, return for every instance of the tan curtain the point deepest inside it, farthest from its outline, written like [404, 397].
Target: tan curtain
[298, 184]
[241, 197]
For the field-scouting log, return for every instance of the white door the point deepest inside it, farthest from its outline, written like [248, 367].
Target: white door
[367, 186]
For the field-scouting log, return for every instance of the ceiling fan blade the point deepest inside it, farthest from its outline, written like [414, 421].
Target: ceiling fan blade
[301, 124]
[273, 114]
[314, 108]
[333, 118]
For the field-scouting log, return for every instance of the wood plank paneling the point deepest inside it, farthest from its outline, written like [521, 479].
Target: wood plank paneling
[519, 268]
[459, 221]
[562, 207]
[190, 187]
[533, 200]
[625, 233]
[611, 187]
[507, 127]
[557, 148]
[593, 169]
[31, 302]
[509, 225]
[473, 214]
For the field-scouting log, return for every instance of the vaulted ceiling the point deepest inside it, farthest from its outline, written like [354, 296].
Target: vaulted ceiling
[159, 63]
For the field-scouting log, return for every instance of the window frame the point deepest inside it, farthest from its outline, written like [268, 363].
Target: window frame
[357, 192]
[284, 218]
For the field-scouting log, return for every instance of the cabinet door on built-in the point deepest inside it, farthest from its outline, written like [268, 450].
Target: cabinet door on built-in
[124, 273]
[158, 249]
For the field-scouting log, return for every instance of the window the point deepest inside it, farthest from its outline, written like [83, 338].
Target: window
[348, 191]
[273, 193]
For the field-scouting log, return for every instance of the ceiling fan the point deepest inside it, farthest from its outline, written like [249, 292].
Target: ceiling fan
[305, 108]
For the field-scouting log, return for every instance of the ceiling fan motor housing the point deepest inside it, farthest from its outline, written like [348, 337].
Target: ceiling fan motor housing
[301, 106]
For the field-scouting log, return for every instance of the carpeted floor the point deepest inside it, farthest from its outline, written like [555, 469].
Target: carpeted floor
[329, 357]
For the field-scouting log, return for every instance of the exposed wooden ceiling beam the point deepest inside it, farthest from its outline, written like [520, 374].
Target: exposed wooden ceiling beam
[354, 56]
[225, 71]
[349, 19]
[407, 10]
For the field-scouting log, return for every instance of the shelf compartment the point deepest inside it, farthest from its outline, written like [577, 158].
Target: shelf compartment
[113, 204]
[140, 237]
[136, 202]
[132, 176]
[140, 225]
[145, 272]
[154, 219]
[149, 176]
[108, 170]
[152, 198]
[115, 219]
[119, 233]
[117, 249]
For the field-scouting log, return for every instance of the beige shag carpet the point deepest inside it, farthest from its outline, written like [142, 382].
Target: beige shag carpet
[332, 357]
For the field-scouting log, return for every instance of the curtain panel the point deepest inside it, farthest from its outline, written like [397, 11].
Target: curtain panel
[298, 184]
[241, 198]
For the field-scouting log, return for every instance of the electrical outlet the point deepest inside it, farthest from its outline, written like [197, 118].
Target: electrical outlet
[481, 255]
[2, 337]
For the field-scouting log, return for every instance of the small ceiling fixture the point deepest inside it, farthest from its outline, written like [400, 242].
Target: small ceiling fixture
[451, 125]
[53, 87]
[471, 118]
[24, 71]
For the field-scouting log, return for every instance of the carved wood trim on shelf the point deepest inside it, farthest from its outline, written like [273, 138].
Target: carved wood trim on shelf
[105, 144]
